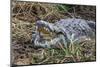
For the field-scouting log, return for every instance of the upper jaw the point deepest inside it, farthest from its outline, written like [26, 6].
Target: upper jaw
[48, 26]
[51, 28]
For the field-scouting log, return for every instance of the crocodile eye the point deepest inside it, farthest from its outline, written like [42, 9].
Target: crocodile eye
[33, 32]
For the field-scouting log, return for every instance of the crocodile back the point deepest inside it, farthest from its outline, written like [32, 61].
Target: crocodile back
[77, 27]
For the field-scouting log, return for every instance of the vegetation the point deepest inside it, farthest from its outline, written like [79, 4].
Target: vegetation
[25, 14]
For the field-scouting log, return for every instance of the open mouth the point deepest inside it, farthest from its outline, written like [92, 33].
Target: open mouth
[46, 33]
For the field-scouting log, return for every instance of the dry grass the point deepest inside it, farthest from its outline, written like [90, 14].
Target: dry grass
[25, 14]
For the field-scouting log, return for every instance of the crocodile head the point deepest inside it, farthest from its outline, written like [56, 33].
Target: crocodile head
[47, 34]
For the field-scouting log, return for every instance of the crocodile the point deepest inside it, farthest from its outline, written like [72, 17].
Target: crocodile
[63, 32]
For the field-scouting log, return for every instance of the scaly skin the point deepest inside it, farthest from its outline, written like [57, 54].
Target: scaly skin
[66, 30]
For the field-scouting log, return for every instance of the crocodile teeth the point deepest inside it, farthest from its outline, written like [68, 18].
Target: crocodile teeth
[46, 29]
